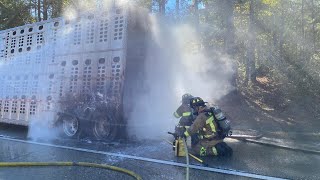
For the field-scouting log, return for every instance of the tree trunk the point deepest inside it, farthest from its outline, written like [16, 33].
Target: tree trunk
[206, 11]
[275, 48]
[230, 32]
[281, 34]
[250, 64]
[196, 13]
[229, 37]
[45, 9]
[314, 33]
[39, 10]
[259, 55]
[31, 7]
[162, 7]
[302, 31]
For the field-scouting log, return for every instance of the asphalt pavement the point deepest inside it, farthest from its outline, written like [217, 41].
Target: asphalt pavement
[142, 156]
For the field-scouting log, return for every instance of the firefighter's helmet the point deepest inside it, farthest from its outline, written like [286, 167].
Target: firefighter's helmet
[196, 102]
[186, 98]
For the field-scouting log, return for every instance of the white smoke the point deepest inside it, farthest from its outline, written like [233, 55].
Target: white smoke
[177, 65]
[42, 126]
[42, 129]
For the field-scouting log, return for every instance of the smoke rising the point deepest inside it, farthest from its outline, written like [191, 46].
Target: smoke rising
[176, 64]
[41, 127]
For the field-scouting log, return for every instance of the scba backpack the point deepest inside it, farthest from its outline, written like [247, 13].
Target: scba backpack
[224, 125]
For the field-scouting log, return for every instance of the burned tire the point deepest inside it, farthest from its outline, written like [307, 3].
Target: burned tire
[70, 126]
[104, 126]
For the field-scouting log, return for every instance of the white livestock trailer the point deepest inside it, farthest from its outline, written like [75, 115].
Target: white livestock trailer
[78, 74]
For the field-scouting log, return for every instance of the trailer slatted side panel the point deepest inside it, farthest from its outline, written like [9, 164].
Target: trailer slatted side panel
[42, 63]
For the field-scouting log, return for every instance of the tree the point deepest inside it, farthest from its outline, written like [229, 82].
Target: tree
[196, 12]
[14, 13]
[250, 63]
[229, 24]
[39, 10]
[314, 33]
[45, 9]
[161, 4]
[177, 7]
[145, 3]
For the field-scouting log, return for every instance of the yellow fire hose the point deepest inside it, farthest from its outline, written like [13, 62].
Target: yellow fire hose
[84, 164]
[187, 158]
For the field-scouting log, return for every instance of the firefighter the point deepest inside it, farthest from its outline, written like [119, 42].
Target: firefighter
[209, 143]
[184, 111]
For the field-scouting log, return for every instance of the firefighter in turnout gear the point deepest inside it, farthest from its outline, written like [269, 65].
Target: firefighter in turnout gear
[205, 126]
[184, 111]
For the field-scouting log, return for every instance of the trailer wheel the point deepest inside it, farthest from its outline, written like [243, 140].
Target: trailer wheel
[70, 126]
[103, 127]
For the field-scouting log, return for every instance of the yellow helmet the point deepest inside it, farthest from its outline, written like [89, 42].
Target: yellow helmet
[196, 102]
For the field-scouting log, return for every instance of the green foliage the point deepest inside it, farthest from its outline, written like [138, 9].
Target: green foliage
[283, 35]
[57, 7]
[14, 13]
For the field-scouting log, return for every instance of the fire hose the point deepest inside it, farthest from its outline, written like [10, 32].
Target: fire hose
[187, 158]
[83, 164]
[187, 153]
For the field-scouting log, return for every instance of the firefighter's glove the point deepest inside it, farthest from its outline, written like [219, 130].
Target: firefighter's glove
[179, 129]
[181, 134]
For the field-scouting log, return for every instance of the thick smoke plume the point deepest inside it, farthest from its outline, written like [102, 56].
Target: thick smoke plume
[42, 127]
[176, 64]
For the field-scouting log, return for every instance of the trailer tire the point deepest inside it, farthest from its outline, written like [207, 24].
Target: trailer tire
[104, 126]
[70, 126]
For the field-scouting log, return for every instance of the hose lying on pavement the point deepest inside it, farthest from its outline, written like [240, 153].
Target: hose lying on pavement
[187, 157]
[85, 164]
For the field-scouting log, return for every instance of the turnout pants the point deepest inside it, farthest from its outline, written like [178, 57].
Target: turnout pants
[211, 148]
